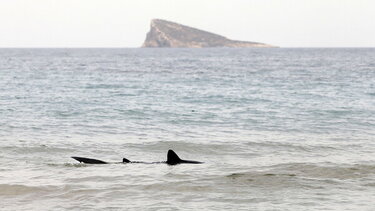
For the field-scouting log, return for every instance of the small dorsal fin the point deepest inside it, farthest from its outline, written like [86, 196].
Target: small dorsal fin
[172, 158]
[124, 160]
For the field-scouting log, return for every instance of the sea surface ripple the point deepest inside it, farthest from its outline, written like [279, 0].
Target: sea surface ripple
[278, 129]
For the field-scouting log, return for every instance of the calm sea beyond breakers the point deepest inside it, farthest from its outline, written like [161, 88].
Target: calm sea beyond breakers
[277, 129]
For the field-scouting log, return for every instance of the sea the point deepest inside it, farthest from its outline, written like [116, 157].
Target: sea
[276, 128]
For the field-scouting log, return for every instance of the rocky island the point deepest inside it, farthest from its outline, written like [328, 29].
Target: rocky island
[173, 35]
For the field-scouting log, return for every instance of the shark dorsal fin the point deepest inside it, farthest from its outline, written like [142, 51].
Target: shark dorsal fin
[172, 158]
[124, 160]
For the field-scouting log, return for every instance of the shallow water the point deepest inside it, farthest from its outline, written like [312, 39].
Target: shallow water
[278, 129]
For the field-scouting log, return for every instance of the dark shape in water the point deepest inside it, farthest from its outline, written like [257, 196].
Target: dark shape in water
[89, 160]
[172, 159]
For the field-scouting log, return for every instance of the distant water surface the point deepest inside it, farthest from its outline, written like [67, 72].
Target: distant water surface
[278, 129]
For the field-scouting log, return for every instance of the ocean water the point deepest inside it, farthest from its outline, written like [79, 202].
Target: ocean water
[277, 129]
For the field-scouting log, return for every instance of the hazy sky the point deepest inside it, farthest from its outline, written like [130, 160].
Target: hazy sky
[124, 23]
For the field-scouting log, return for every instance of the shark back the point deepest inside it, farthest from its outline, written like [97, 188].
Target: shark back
[172, 159]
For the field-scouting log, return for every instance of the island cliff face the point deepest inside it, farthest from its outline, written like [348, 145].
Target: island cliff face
[173, 35]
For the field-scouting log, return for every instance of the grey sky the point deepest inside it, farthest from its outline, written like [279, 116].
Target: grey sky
[123, 23]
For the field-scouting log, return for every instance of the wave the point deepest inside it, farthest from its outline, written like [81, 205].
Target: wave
[305, 174]
[15, 190]
[334, 171]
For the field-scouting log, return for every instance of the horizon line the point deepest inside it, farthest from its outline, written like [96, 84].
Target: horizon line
[109, 47]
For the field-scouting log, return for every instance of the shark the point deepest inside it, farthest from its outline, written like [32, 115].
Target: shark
[172, 159]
